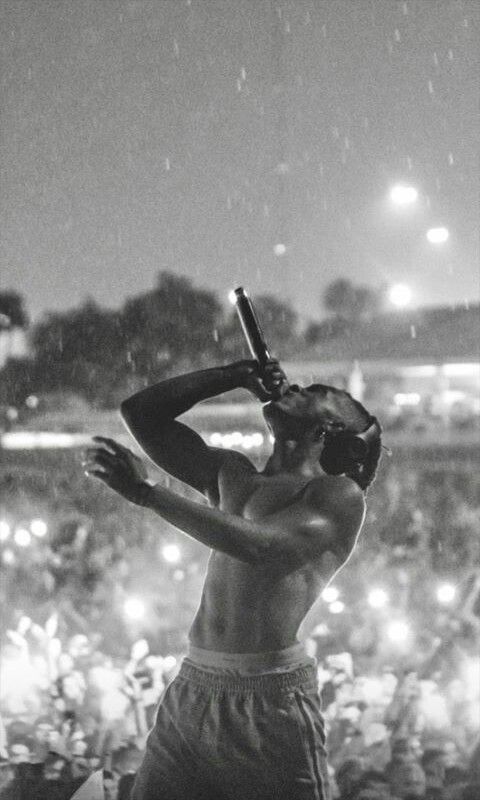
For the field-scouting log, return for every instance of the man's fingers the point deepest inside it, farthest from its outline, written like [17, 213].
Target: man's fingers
[103, 458]
[96, 474]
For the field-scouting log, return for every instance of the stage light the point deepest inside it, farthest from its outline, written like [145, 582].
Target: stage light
[232, 297]
[402, 195]
[330, 594]
[4, 530]
[134, 608]
[437, 235]
[400, 295]
[446, 593]
[377, 598]
[38, 527]
[171, 553]
[336, 607]
[22, 537]
[398, 631]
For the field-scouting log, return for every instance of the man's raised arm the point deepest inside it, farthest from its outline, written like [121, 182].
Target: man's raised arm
[150, 415]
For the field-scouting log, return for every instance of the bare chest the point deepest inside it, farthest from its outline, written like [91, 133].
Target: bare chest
[256, 496]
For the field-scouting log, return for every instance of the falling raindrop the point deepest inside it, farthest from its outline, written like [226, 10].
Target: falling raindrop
[397, 35]
[450, 55]
[405, 9]
[435, 59]
[167, 164]
[243, 74]
[413, 332]
[450, 159]
[176, 48]
[430, 87]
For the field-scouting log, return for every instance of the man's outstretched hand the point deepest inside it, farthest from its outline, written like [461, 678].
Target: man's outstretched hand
[116, 466]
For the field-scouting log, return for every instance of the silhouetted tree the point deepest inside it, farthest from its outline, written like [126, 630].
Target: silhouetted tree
[172, 326]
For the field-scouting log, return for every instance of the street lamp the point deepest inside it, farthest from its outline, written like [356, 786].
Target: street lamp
[437, 235]
[402, 195]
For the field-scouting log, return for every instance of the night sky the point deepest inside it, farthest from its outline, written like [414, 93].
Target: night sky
[195, 136]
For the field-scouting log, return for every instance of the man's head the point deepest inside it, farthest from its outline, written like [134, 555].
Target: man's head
[331, 423]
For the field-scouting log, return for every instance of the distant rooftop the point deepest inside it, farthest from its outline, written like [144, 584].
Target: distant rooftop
[432, 334]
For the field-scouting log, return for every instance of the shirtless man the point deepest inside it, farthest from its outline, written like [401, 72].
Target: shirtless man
[242, 719]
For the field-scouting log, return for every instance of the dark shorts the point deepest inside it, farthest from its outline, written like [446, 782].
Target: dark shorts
[226, 737]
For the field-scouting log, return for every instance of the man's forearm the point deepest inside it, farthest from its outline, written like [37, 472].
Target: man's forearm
[217, 529]
[172, 397]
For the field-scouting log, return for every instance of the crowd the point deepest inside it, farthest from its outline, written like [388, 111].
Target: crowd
[72, 714]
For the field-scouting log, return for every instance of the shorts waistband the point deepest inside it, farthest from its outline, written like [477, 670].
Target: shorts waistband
[246, 664]
[268, 683]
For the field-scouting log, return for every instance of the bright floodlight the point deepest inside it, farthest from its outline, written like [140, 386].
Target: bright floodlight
[38, 527]
[134, 608]
[279, 249]
[171, 553]
[446, 593]
[336, 607]
[377, 598]
[400, 295]
[437, 235]
[4, 530]
[330, 594]
[398, 631]
[402, 195]
[22, 537]
[232, 297]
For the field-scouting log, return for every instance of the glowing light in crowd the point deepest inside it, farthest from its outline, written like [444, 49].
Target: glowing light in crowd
[437, 235]
[22, 537]
[38, 527]
[4, 530]
[330, 594]
[336, 607]
[279, 249]
[400, 295]
[377, 598]
[134, 608]
[232, 297]
[8, 557]
[402, 195]
[446, 593]
[171, 553]
[398, 631]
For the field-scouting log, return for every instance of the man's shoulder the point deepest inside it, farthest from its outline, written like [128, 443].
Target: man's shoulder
[340, 498]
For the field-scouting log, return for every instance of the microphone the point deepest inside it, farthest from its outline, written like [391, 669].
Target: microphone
[253, 331]
[251, 327]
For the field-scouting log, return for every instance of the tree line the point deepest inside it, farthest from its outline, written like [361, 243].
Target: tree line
[103, 354]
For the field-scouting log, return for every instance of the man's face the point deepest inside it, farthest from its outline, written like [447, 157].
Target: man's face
[315, 405]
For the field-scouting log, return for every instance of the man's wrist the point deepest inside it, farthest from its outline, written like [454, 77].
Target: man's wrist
[143, 491]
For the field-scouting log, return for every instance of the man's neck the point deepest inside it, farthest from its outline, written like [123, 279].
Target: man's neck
[290, 457]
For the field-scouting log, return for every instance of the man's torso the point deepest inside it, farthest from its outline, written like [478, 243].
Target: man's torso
[252, 608]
